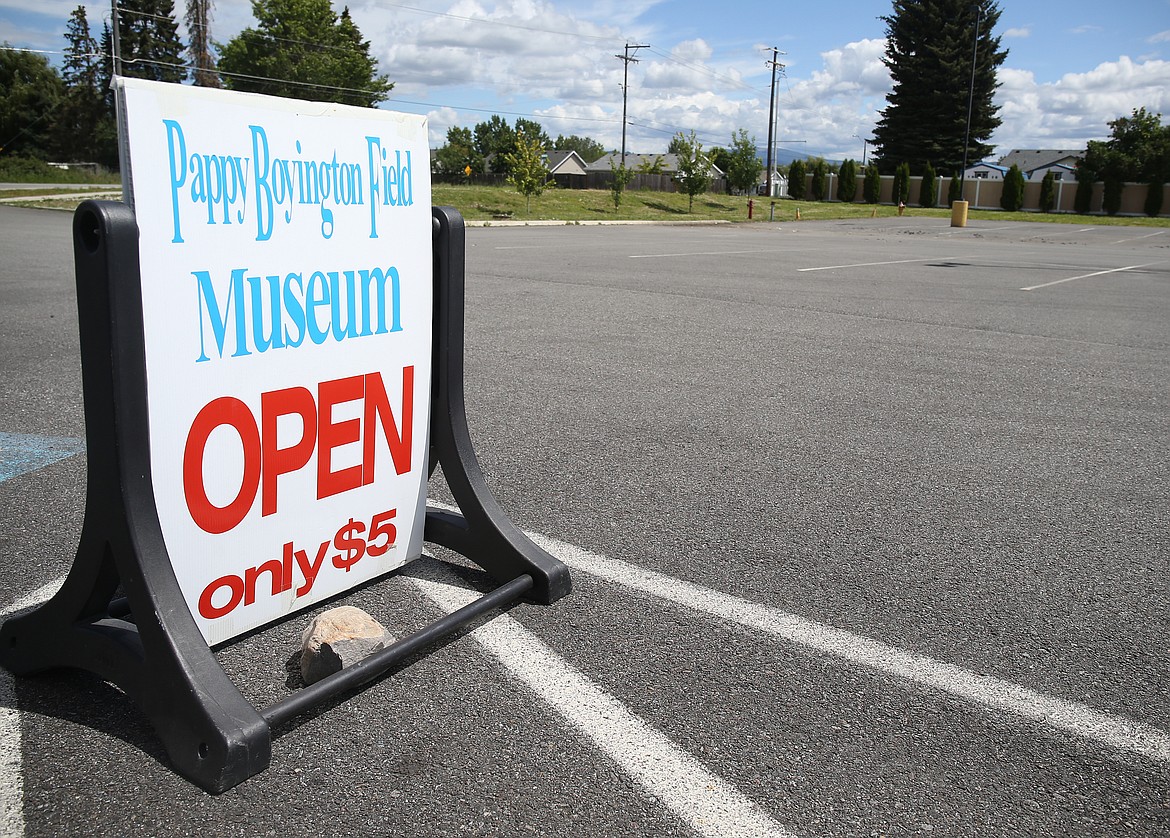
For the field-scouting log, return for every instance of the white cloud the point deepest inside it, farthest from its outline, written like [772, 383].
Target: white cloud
[1018, 32]
[1077, 107]
[1160, 37]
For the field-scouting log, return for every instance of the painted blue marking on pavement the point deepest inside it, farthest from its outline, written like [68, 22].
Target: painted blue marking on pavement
[22, 453]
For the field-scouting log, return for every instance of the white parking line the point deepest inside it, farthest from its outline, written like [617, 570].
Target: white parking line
[1067, 716]
[1138, 238]
[11, 782]
[1087, 276]
[711, 805]
[1050, 233]
[706, 253]
[11, 779]
[870, 264]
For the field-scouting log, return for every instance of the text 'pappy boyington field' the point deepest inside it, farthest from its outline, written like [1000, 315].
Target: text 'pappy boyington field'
[259, 187]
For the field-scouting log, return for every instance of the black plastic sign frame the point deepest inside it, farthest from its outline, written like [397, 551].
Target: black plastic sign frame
[121, 614]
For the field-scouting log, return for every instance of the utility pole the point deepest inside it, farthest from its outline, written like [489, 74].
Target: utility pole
[627, 58]
[774, 64]
[117, 38]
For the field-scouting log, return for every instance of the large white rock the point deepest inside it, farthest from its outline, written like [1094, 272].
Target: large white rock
[338, 638]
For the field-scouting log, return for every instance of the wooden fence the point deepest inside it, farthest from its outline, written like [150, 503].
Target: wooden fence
[986, 194]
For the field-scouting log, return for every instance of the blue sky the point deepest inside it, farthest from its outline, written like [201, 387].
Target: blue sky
[1072, 67]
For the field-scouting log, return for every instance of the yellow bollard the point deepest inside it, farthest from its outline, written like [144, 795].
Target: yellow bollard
[798, 213]
[874, 213]
[959, 214]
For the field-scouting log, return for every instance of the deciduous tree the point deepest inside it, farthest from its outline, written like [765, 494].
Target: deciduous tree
[494, 139]
[743, 163]
[1138, 150]
[526, 167]
[30, 93]
[459, 153]
[622, 175]
[588, 148]
[694, 169]
[302, 49]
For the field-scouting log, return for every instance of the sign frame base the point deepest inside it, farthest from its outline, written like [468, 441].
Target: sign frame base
[121, 614]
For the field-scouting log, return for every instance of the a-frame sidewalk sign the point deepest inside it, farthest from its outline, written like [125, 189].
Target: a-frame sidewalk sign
[272, 365]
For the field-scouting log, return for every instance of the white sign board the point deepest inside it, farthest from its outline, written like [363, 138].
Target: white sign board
[286, 287]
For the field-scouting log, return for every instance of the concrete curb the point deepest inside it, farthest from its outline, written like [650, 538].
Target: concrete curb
[590, 223]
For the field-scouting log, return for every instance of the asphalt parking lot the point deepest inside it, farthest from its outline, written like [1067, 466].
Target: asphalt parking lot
[868, 526]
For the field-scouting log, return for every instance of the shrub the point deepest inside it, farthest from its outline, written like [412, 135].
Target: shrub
[796, 180]
[955, 190]
[1111, 202]
[1084, 198]
[928, 193]
[1154, 198]
[872, 186]
[1013, 190]
[1048, 192]
[847, 184]
[902, 183]
[818, 181]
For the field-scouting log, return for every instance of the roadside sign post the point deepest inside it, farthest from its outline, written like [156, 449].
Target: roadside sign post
[272, 365]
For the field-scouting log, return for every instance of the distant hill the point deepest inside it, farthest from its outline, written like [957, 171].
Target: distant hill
[785, 156]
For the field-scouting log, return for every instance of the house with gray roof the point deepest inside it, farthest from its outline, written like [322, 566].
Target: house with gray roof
[667, 163]
[1036, 162]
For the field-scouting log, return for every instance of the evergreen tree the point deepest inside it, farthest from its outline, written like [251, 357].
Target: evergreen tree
[817, 188]
[901, 183]
[847, 184]
[1012, 197]
[79, 122]
[199, 50]
[1048, 192]
[302, 49]
[148, 40]
[796, 172]
[930, 45]
[1153, 205]
[872, 186]
[955, 188]
[1083, 200]
[928, 189]
[1111, 199]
